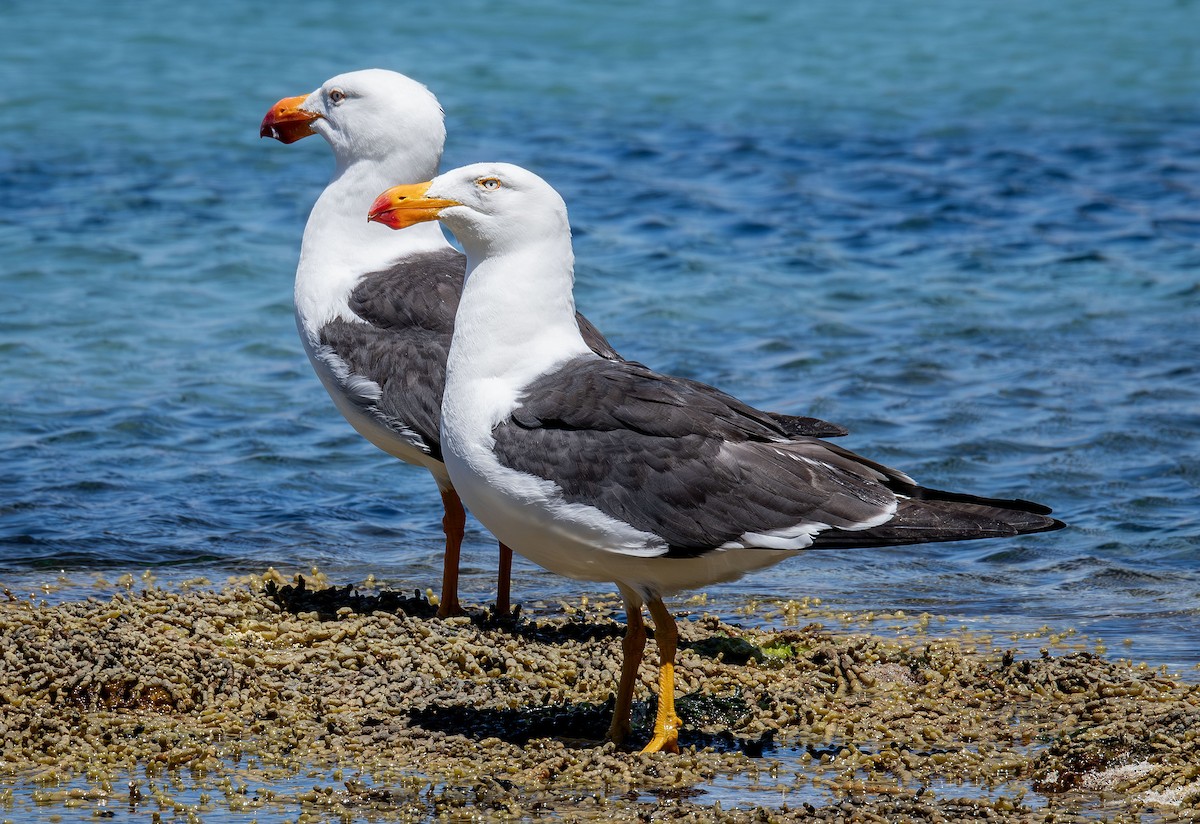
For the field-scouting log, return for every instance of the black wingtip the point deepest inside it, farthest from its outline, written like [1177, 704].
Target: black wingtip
[942, 516]
[922, 493]
[1054, 525]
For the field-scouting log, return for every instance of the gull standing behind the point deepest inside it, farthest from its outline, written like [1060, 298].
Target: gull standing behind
[604, 470]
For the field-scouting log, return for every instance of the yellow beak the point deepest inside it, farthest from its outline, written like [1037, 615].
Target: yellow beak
[403, 206]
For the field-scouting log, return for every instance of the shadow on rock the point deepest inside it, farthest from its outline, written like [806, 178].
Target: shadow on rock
[586, 724]
[296, 598]
[575, 630]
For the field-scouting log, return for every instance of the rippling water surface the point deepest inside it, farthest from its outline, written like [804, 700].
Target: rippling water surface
[972, 235]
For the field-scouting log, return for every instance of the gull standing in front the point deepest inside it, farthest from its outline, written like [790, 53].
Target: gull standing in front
[604, 470]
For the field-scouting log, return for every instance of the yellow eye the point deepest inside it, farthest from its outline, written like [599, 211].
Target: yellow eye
[336, 96]
[489, 183]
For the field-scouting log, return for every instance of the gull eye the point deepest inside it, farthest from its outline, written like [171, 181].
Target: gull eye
[489, 183]
[336, 96]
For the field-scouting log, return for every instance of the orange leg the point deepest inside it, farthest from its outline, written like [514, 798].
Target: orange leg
[504, 582]
[666, 636]
[633, 647]
[454, 524]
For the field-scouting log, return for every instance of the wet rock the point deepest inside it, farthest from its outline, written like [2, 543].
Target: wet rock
[257, 696]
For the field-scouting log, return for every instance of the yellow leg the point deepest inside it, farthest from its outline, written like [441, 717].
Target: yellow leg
[454, 524]
[666, 636]
[504, 582]
[633, 648]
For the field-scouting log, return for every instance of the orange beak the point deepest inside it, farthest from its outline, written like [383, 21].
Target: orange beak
[287, 122]
[403, 206]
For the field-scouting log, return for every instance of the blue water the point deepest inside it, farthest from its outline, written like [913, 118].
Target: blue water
[968, 232]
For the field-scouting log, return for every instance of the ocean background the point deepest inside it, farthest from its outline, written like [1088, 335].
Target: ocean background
[968, 232]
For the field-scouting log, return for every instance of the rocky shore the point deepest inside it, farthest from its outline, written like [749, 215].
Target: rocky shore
[295, 700]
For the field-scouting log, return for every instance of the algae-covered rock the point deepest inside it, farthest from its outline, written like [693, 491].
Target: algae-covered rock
[266, 697]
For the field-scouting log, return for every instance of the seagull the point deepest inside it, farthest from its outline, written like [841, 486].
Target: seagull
[375, 309]
[604, 470]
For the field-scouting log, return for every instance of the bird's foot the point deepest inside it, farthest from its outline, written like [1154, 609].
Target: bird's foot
[617, 733]
[450, 609]
[665, 740]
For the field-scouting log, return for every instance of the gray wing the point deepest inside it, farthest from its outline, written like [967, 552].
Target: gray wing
[704, 471]
[684, 461]
[394, 376]
[391, 360]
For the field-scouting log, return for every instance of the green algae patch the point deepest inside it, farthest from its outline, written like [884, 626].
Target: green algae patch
[778, 651]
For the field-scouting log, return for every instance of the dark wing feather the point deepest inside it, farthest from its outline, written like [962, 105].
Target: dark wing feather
[931, 519]
[804, 426]
[401, 343]
[679, 459]
[700, 469]
[595, 341]
[420, 292]
[407, 314]
[408, 366]
[625, 395]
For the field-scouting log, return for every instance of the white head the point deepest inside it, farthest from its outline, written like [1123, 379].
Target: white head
[371, 115]
[516, 317]
[382, 127]
[492, 208]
